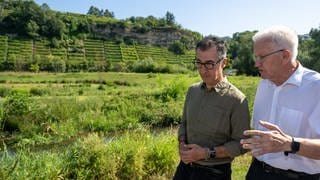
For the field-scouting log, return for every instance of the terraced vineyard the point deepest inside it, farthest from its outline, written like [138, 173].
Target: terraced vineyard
[96, 51]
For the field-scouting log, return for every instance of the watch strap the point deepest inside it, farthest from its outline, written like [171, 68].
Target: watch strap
[295, 147]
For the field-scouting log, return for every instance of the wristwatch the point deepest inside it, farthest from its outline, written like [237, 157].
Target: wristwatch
[210, 153]
[295, 147]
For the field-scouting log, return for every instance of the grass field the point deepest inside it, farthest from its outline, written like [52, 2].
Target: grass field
[96, 125]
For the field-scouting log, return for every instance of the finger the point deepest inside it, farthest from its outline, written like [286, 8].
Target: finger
[248, 146]
[190, 146]
[257, 152]
[184, 153]
[253, 132]
[269, 126]
[247, 141]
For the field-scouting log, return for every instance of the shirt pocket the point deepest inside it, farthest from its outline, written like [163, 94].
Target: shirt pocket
[290, 120]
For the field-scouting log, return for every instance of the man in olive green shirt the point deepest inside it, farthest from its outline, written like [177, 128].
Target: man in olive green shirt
[214, 117]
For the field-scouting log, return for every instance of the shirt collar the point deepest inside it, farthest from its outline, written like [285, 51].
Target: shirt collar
[219, 87]
[295, 78]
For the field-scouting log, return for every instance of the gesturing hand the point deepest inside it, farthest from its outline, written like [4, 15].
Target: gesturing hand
[262, 142]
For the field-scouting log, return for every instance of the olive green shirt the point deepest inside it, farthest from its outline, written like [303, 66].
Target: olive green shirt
[215, 117]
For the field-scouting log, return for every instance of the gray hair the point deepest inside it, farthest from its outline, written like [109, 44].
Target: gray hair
[282, 37]
[212, 41]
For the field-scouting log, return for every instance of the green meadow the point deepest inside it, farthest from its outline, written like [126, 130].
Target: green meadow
[96, 125]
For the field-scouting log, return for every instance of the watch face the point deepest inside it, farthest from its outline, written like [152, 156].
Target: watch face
[295, 146]
[212, 154]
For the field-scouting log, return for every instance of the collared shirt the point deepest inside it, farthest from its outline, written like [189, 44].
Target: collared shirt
[295, 107]
[215, 117]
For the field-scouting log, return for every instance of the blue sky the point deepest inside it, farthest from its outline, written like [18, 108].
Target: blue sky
[217, 17]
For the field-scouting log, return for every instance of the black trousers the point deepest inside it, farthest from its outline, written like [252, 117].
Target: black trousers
[198, 172]
[261, 171]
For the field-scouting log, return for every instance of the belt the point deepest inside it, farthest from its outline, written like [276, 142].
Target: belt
[286, 173]
[218, 169]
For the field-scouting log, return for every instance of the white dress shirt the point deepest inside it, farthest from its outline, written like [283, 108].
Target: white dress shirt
[295, 107]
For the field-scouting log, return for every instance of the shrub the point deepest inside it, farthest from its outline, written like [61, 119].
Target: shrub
[101, 87]
[144, 66]
[159, 114]
[119, 67]
[161, 158]
[177, 48]
[174, 90]
[14, 109]
[4, 91]
[34, 68]
[89, 159]
[38, 91]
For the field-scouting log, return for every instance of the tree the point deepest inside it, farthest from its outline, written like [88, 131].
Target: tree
[94, 11]
[108, 13]
[241, 53]
[177, 48]
[45, 7]
[32, 29]
[170, 19]
[314, 50]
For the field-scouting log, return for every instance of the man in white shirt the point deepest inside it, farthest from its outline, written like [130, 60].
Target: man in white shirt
[285, 141]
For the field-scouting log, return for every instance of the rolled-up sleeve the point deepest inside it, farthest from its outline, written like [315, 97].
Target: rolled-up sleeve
[240, 121]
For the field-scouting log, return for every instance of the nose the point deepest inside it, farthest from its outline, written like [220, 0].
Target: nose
[257, 63]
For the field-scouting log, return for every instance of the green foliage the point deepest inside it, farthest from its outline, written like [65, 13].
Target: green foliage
[241, 53]
[6, 91]
[58, 65]
[174, 90]
[34, 68]
[27, 19]
[38, 91]
[22, 164]
[170, 19]
[89, 159]
[144, 66]
[122, 113]
[177, 48]
[15, 108]
[161, 158]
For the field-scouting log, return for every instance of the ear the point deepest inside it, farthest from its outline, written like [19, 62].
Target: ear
[224, 62]
[286, 56]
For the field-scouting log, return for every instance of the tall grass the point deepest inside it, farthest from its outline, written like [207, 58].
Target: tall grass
[49, 110]
[138, 154]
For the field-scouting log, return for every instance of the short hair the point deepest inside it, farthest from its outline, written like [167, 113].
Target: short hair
[213, 41]
[280, 36]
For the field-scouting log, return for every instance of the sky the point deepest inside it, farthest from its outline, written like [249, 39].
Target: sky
[215, 17]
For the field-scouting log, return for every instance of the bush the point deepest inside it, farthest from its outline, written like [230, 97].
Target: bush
[161, 158]
[174, 90]
[89, 159]
[4, 91]
[177, 48]
[144, 66]
[38, 91]
[119, 67]
[160, 114]
[14, 109]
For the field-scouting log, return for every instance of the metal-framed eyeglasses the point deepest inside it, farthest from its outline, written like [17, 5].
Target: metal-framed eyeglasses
[208, 64]
[260, 58]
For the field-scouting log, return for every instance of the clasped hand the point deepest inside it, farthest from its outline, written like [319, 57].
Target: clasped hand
[191, 152]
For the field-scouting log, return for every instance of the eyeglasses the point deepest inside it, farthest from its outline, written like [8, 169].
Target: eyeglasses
[260, 58]
[208, 65]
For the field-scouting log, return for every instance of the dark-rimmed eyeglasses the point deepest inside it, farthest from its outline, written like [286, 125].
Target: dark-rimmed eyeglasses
[208, 64]
[260, 58]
